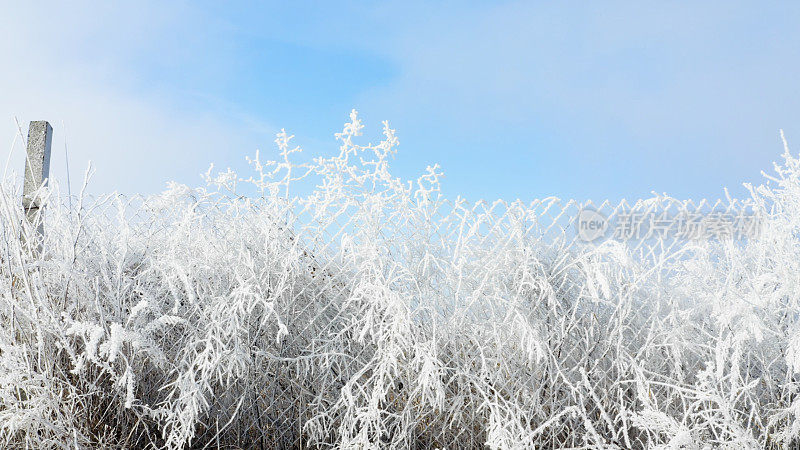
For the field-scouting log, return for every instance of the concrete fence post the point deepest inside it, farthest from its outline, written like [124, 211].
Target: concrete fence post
[37, 170]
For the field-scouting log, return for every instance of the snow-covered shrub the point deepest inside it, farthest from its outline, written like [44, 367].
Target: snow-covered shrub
[331, 304]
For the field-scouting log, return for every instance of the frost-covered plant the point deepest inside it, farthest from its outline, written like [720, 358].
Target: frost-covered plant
[331, 304]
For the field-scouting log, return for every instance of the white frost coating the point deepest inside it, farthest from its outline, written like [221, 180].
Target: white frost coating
[140, 307]
[793, 352]
[118, 336]
[91, 333]
[327, 303]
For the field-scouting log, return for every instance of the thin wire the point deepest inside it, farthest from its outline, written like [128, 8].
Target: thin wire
[66, 160]
[13, 144]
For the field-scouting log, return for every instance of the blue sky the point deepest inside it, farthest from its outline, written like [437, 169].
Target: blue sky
[513, 99]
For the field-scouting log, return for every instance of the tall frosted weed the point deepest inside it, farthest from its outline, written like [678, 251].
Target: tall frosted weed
[374, 313]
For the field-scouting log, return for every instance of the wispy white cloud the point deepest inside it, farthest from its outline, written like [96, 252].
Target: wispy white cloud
[605, 99]
[84, 68]
[572, 99]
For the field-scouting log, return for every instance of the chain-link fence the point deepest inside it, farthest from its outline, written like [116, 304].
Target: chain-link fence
[455, 325]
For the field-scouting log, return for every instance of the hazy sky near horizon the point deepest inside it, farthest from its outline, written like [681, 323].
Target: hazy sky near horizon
[513, 99]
